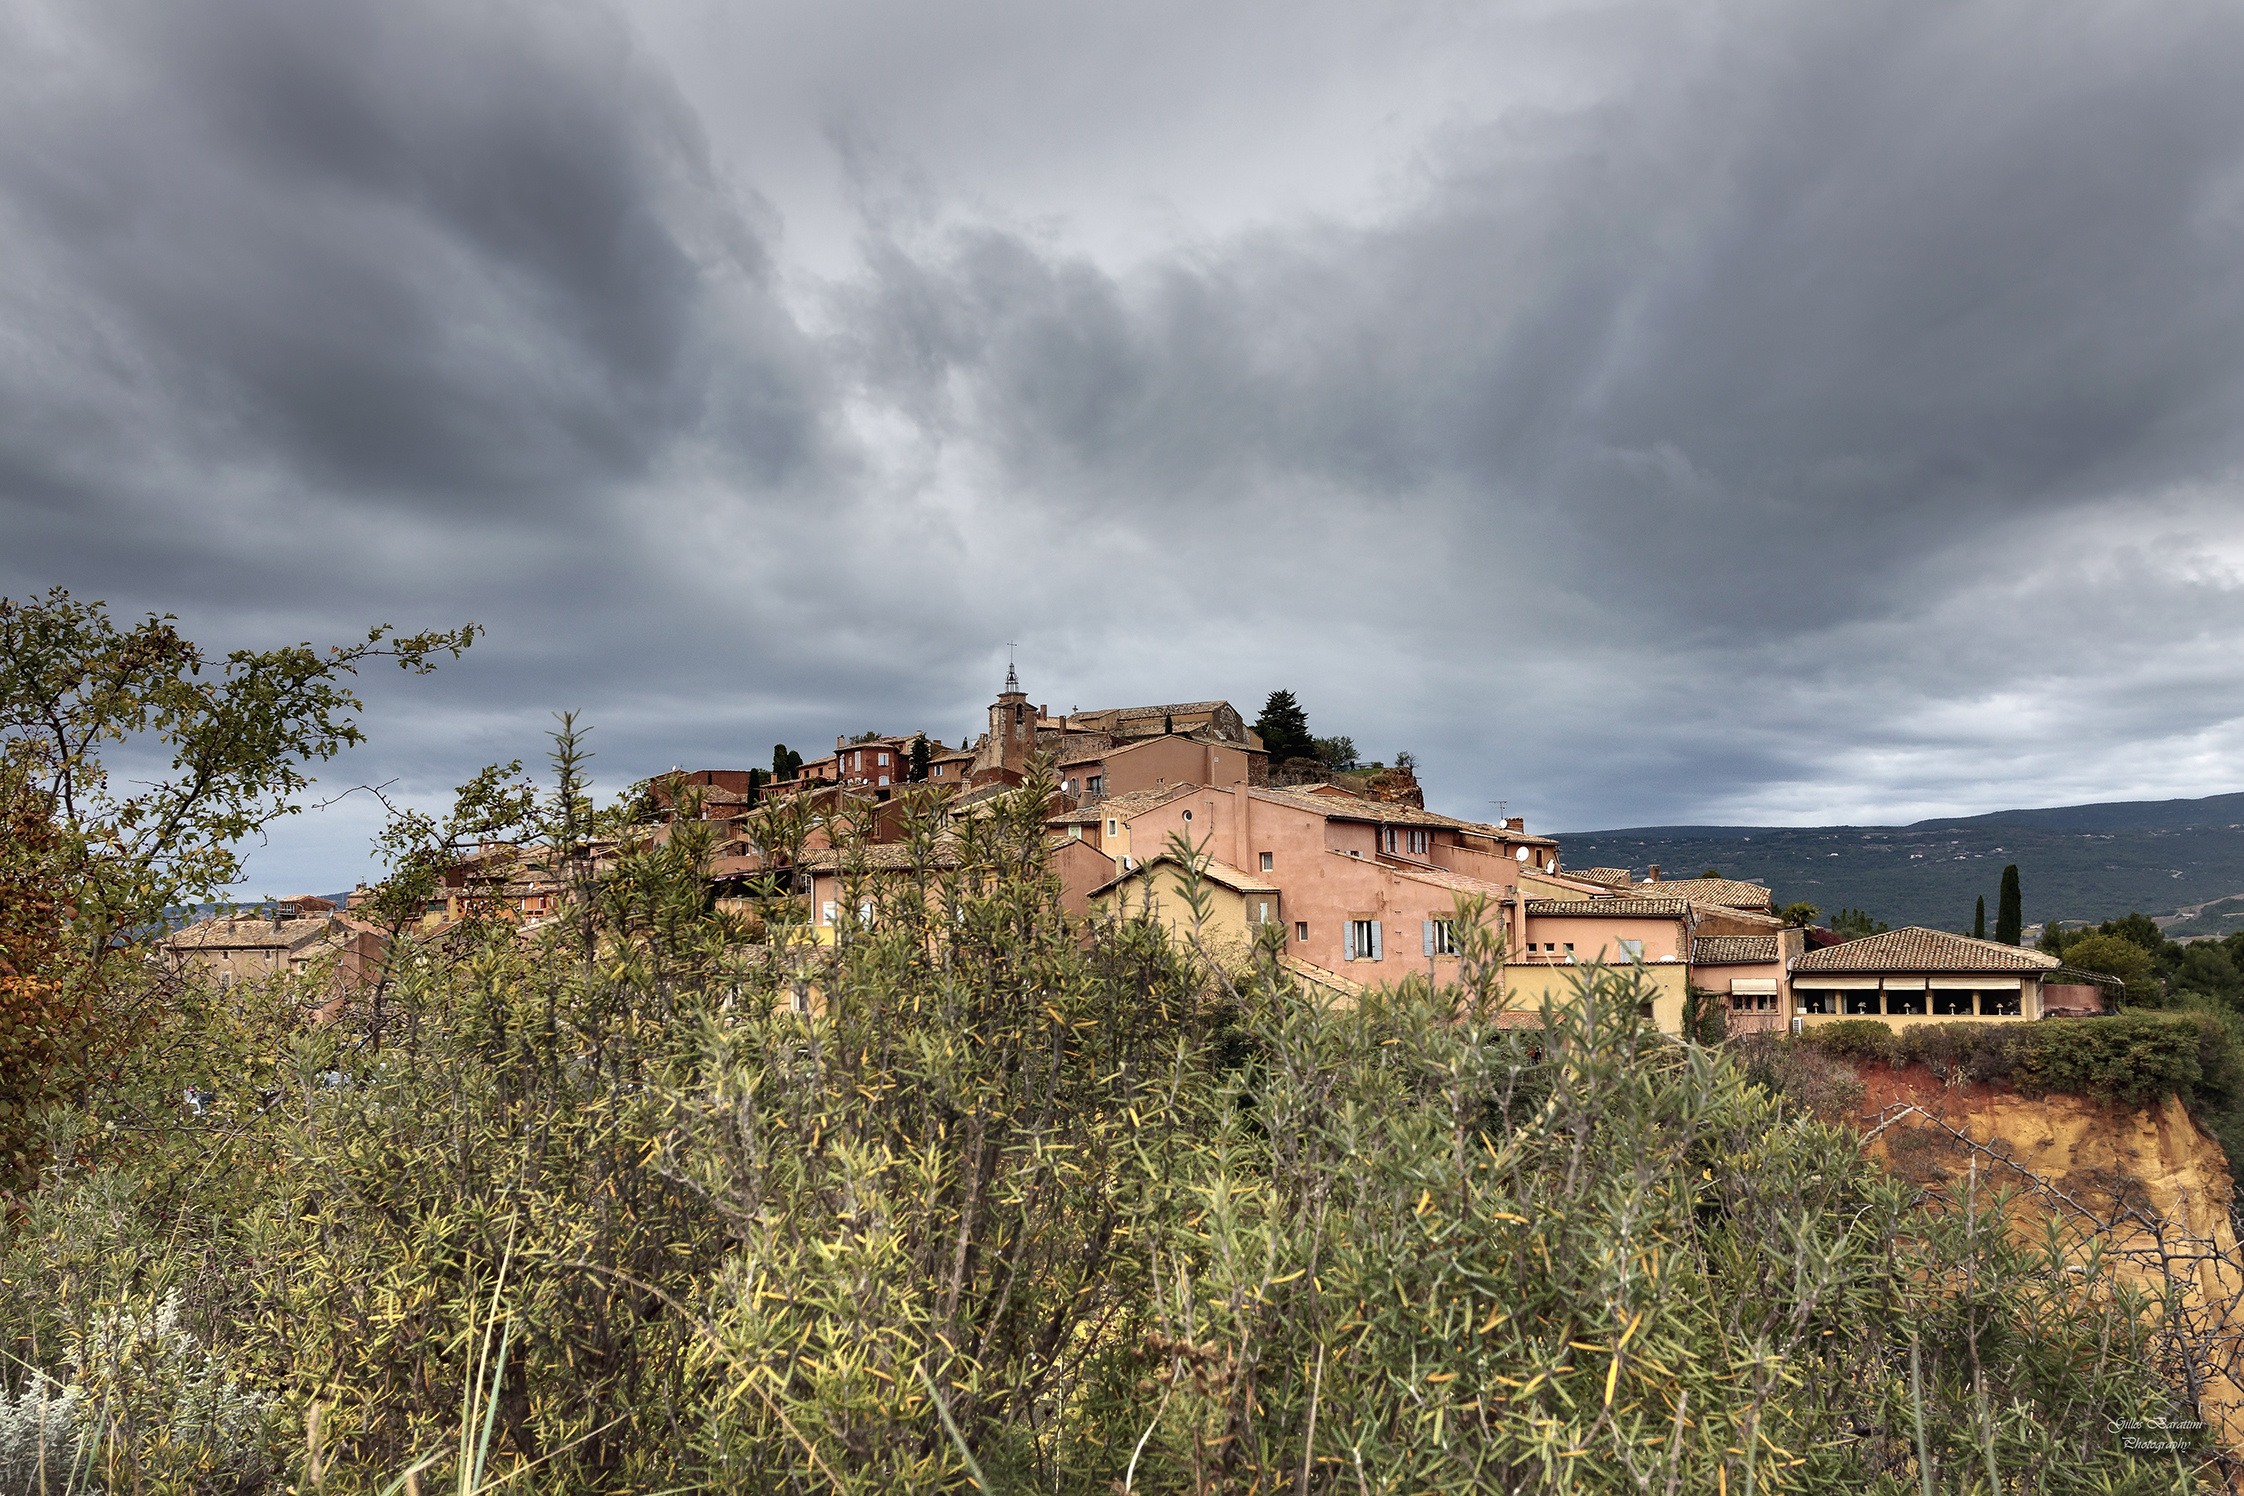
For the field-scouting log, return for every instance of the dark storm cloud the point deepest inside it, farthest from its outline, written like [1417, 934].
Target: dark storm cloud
[1732, 409]
[1762, 411]
[1875, 281]
[328, 314]
[428, 255]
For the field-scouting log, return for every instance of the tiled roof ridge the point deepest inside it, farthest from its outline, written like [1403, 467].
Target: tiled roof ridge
[1128, 804]
[240, 930]
[1238, 880]
[1721, 950]
[1438, 877]
[1715, 890]
[1608, 908]
[1915, 948]
[1353, 808]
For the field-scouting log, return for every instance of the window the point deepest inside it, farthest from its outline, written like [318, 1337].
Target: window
[1387, 839]
[828, 913]
[938, 771]
[1999, 1004]
[1569, 950]
[1906, 1002]
[865, 914]
[1301, 930]
[1631, 950]
[884, 779]
[1262, 911]
[1860, 1002]
[1951, 1003]
[1113, 828]
[1814, 1002]
[1097, 784]
[1363, 941]
[1421, 842]
[1266, 862]
[1441, 937]
[1188, 815]
[1075, 831]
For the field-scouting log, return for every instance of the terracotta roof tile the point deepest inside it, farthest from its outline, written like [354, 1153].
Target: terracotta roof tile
[1918, 949]
[1731, 950]
[1349, 808]
[1617, 877]
[1434, 876]
[1608, 908]
[1734, 892]
[1216, 872]
[1121, 807]
[887, 857]
[247, 932]
[1318, 976]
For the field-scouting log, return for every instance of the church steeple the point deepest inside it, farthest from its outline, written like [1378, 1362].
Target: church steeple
[1012, 727]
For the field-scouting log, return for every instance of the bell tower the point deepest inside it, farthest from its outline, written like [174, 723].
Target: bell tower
[1012, 728]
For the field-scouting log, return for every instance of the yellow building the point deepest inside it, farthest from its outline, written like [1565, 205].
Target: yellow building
[1237, 902]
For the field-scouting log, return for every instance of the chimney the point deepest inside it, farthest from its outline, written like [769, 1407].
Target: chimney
[1517, 823]
[1652, 873]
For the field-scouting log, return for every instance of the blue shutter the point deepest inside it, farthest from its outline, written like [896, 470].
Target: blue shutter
[1426, 930]
[1376, 954]
[1348, 940]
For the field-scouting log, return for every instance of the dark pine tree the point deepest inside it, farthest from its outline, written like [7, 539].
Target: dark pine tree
[778, 762]
[2010, 918]
[1979, 920]
[755, 787]
[1284, 729]
[917, 773]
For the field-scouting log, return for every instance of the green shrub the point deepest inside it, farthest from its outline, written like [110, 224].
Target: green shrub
[1854, 1039]
[2131, 1058]
[1024, 1204]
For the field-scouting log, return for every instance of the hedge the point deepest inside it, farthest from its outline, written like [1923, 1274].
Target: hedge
[2130, 1058]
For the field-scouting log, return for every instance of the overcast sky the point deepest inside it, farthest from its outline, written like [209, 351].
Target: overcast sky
[1781, 413]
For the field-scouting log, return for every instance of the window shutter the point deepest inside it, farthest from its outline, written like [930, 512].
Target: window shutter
[1376, 953]
[1348, 940]
[1426, 930]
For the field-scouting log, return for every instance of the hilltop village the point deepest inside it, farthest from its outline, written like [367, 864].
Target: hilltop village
[1361, 881]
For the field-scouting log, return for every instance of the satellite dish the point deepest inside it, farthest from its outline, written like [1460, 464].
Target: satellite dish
[1522, 854]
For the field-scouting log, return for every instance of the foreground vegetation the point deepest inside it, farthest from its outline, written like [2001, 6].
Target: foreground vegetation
[1015, 1207]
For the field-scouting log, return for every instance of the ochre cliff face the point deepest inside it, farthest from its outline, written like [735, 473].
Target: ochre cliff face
[2127, 1165]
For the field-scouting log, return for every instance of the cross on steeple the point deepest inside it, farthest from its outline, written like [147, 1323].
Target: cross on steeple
[1012, 681]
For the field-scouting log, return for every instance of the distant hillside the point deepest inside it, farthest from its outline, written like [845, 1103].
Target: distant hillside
[2075, 862]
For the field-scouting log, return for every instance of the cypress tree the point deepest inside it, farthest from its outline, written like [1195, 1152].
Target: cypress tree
[2010, 917]
[1979, 920]
[920, 756]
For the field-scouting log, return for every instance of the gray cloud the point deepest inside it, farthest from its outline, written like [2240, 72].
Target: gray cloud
[1767, 412]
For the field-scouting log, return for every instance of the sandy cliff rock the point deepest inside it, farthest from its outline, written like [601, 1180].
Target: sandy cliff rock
[2142, 1175]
